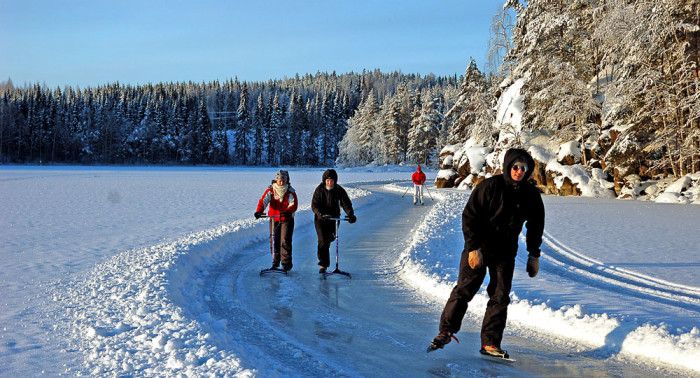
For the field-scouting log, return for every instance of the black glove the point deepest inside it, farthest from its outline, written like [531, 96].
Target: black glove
[258, 214]
[326, 216]
[533, 266]
[352, 219]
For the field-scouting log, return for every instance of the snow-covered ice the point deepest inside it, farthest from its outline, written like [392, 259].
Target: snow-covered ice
[106, 271]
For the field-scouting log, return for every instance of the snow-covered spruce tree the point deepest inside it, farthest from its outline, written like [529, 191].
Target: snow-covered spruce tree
[548, 37]
[358, 146]
[656, 83]
[276, 137]
[411, 146]
[327, 117]
[203, 148]
[567, 104]
[310, 136]
[390, 131]
[241, 144]
[297, 123]
[179, 130]
[472, 108]
[338, 124]
[424, 133]
[260, 127]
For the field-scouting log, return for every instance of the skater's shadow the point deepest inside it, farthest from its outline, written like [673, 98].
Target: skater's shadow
[613, 342]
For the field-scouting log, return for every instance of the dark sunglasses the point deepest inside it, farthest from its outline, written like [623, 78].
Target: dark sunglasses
[519, 167]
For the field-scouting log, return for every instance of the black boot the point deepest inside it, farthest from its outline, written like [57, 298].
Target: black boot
[442, 339]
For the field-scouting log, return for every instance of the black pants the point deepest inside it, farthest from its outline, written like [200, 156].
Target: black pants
[468, 284]
[283, 242]
[325, 230]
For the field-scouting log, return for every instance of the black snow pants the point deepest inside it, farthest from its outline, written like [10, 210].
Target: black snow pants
[283, 231]
[325, 230]
[500, 280]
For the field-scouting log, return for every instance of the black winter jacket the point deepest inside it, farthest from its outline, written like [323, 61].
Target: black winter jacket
[497, 209]
[328, 202]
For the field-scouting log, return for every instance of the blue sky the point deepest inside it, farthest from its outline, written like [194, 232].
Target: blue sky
[85, 43]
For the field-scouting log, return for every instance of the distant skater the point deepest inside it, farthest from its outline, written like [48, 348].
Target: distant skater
[491, 223]
[327, 200]
[418, 178]
[282, 200]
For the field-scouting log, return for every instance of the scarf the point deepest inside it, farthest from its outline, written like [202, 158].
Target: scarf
[280, 191]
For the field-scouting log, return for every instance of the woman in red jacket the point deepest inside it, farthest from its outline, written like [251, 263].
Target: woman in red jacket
[282, 199]
[418, 178]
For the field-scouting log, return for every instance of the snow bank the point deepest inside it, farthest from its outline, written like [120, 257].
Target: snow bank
[124, 319]
[682, 190]
[124, 323]
[424, 267]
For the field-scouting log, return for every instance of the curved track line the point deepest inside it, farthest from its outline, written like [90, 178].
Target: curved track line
[566, 258]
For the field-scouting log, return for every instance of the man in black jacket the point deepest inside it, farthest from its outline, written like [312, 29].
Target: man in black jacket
[491, 223]
[326, 202]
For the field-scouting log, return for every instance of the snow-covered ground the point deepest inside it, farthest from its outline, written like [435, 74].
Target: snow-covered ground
[106, 270]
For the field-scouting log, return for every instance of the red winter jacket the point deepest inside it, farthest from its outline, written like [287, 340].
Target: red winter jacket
[418, 177]
[279, 210]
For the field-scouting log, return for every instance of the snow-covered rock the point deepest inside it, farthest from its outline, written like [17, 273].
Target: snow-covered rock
[569, 153]
[446, 178]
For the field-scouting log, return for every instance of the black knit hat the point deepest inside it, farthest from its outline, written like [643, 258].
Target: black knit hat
[330, 174]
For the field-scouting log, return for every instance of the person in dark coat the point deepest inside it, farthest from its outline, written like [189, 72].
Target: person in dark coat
[282, 201]
[491, 223]
[327, 200]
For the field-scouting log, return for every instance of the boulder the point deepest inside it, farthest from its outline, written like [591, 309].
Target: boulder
[569, 153]
[568, 188]
[630, 187]
[539, 176]
[446, 178]
[464, 169]
[445, 159]
[595, 163]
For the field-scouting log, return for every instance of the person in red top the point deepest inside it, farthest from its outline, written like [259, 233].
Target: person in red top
[282, 201]
[418, 178]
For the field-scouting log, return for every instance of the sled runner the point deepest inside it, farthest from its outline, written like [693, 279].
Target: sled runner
[273, 269]
[337, 258]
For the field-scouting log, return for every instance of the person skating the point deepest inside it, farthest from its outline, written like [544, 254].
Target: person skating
[326, 202]
[282, 201]
[418, 178]
[491, 223]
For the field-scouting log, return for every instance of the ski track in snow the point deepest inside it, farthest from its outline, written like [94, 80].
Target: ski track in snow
[638, 284]
[151, 311]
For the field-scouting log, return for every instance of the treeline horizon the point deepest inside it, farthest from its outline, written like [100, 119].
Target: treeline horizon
[291, 121]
